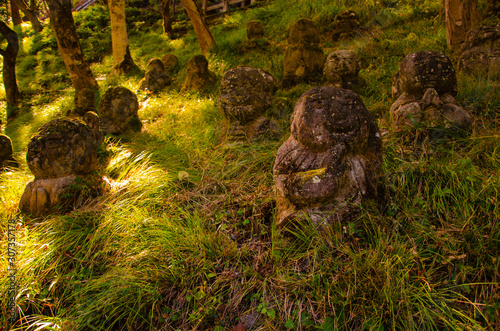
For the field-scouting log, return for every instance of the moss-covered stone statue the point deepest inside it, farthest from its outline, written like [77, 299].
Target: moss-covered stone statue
[62, 156]
[425, 87]
[198, 76]
[156, 77]
[342, 70]
[118, 111]
[246, 94]
[332, 162]
[6, 153]
[304, 58]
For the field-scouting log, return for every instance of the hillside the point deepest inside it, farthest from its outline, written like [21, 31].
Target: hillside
[183, 237]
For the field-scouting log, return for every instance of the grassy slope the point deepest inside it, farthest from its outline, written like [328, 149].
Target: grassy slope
[161, 252]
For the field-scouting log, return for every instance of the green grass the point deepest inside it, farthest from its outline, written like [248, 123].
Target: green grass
[183, 237]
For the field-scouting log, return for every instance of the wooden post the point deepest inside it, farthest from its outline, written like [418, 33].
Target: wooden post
[225, 8]
[204, 7]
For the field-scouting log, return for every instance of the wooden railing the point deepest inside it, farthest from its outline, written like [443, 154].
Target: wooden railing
[223, 5]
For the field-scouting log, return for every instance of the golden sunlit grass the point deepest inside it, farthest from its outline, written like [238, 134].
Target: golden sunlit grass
[183, 237]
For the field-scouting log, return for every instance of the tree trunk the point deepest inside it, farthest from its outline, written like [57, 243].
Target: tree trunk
[203, 34]
[30, 14]
[63, 25]
[167, 21]
[14, 13]
[122, 61]
[9, 66]
[461, 17]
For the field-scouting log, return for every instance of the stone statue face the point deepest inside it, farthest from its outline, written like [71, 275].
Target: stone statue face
[326, 115]
[343, 63]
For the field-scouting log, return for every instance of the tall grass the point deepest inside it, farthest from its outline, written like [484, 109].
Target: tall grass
[183, 237]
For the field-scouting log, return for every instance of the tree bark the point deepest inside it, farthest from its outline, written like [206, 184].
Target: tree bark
[461, 17]
[205, 38]
[30, 14]
[9, 66]
[167, 21]
[14, 13]
[122, 61]
[63, 25]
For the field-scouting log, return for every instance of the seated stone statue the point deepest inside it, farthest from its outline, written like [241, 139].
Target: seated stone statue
[425, 87]
[332, 161]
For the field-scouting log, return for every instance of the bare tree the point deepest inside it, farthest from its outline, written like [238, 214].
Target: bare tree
[122, 59]
[14, 13]
[63, 25]
[205, 38]
[30, 12]
[9, 67]
[167, 20]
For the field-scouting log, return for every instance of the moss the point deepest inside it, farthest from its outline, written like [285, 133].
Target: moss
[310, 174]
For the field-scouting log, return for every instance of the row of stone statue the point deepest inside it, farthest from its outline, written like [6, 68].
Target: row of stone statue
[331, 162]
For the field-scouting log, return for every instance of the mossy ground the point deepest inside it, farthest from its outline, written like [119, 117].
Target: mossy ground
[184, 238]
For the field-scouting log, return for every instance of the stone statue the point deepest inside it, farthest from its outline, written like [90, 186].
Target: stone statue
[246, 94]
[156, 77]
[61, 155]
[332, 161]
[118, 111]
[198, 77]
[6, 158]
[304, 58]
[425, 87]
[342, 70]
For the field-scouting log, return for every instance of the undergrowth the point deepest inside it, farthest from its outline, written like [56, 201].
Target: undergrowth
[183, 237]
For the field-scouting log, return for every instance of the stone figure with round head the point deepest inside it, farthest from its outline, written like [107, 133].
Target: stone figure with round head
[332, 161]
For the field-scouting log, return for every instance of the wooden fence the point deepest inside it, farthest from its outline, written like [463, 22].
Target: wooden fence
[223, 5]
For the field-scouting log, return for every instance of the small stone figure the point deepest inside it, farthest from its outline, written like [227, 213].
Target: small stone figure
[425, 87]
[246, 94]
[198, 77]
[156, 78]
[304, 58]
[169, 62]
[341, 70]
[118, 111]
[255, 37]
[346, 25]
[481, 52]
[6, 158]
[332, 161]
[61, 155]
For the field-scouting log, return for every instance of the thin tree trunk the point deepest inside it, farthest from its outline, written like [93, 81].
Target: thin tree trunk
[63, 25]
[9, 67]
[30, 14]
[203, 34]
[461, 17]
[122, 60]
[167, 21]
[14, 13]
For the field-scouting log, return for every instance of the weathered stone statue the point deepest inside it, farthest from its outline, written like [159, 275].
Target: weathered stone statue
[6, 158]
[342, 70]
[61, 155]
[425, 87]
[169, 62]
[246, 94]
[346, 25]
[198, 77]
[156, 78]
[332, 161]
[255, 37]
[481, 52]
[304, 58]
[118, 111]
